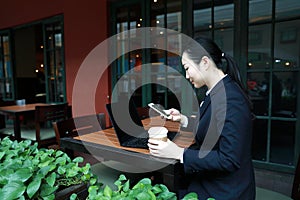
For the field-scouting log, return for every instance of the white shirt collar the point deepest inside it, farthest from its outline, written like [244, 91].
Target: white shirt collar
[208, 91]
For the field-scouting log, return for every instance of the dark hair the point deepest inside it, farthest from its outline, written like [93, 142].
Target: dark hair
[224, 62]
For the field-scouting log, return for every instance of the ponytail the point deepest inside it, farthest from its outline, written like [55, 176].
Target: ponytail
[232, 70]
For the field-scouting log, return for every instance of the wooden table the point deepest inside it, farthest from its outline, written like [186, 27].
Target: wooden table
[15, 111]
[105, 144]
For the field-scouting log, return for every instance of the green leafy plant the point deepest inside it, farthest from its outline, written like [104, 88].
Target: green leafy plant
[143, 190]
[27, 172]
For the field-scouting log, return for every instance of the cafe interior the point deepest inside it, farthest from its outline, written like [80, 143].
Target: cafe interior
[66, 60]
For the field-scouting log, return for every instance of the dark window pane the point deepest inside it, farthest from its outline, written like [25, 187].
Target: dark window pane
[260, 11]
[174, 15]
[157, 14]
[286, 45]
[259, 50]
[202, 15]
[258, 85]
[224, 39]
[223, 15]
[282, 142]
[284, 96]
[259, 142]
[286, 9]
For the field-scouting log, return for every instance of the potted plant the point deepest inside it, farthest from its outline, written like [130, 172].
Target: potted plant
[27, 172]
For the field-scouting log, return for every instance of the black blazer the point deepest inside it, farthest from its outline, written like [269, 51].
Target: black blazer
[222, 169]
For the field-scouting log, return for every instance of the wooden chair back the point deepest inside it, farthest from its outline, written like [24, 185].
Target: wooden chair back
[296, 183]
[45, 116]
[79, 125]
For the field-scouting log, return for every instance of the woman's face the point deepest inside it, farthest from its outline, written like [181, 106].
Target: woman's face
[194, 72]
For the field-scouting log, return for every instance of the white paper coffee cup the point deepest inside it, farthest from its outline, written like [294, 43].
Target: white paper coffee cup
[158, 133]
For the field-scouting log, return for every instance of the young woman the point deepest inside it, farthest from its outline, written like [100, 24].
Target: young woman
[219, 163]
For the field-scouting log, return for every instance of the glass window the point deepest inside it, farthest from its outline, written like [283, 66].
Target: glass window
[282, 142]
[260, 138]
[223, 15]
[127, 70]
[202, 15]
[260, 11]
[258, 84]
[284, 97]
[224, 39]
[286, 9]
[165, 14]
[259, 47]
[174, 15]
[273, 78]
[286, 45]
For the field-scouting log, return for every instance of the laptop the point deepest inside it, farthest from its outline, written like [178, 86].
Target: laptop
[128, 125]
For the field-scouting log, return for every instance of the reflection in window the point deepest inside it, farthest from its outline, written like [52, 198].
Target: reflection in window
[285, 44]
[260, 11]
[284, 94]
[202, 19]
[258, 85]
[223, 15]
[259, 49]
[287, 9]
[224, 39]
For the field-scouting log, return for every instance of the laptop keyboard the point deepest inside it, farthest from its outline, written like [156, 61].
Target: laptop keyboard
[138, 143]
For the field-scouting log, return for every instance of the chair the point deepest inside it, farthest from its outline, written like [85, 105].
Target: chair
[296, 184]
[87, 124]
[44, 117]
[82, 124]
[107, 171]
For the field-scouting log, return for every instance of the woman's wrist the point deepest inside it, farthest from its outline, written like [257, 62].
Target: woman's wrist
[183, 120]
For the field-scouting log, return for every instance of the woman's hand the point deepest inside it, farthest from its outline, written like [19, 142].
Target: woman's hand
[176, 116]
[163, 149]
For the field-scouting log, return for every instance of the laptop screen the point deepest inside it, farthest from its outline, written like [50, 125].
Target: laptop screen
[126, 121]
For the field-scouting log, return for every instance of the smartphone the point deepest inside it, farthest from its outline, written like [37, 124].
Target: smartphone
[158, 109]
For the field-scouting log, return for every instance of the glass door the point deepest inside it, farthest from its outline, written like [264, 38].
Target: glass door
[54, 60]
